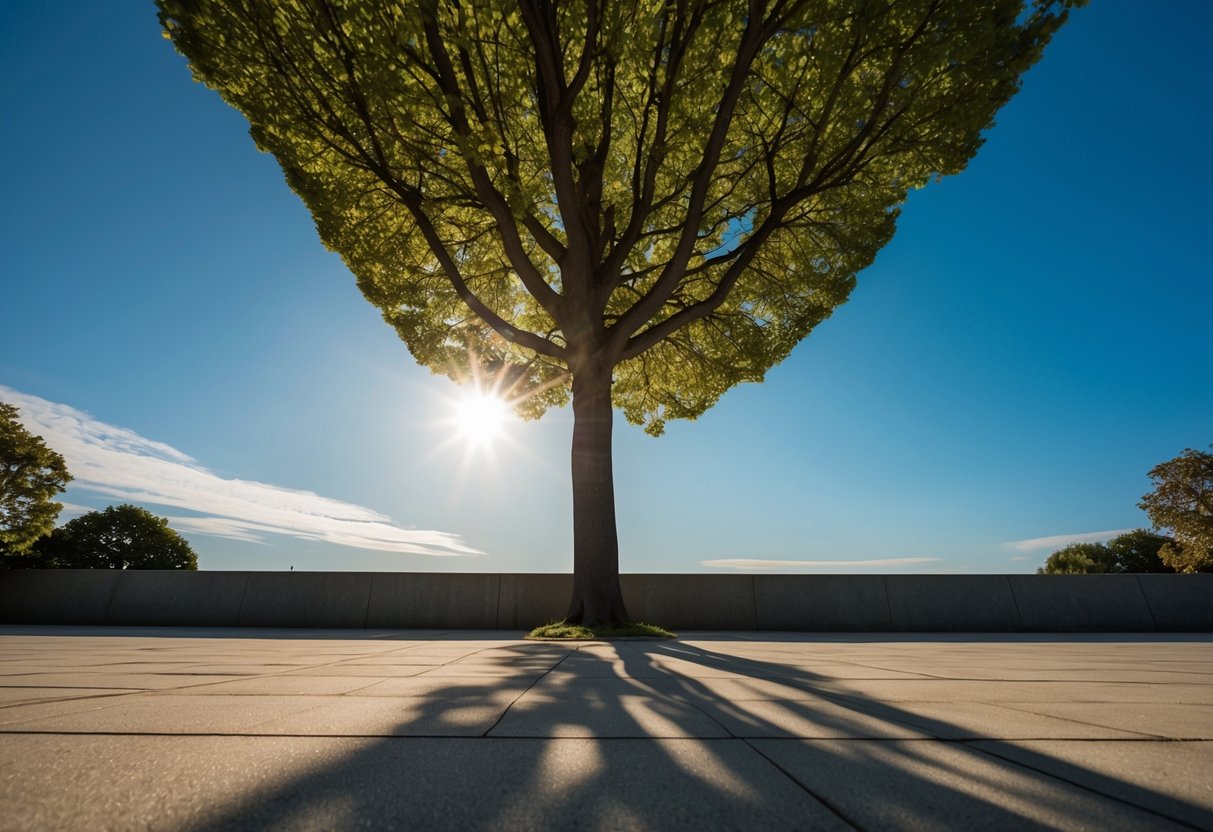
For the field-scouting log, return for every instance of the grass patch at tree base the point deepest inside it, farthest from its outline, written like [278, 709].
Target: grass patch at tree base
[573, 632]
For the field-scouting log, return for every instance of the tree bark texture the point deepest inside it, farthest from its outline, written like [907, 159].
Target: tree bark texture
[597, 599]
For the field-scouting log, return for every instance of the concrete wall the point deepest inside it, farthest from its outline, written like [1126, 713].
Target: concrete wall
[810, 603]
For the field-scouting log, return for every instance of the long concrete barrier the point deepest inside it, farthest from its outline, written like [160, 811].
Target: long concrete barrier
[808, 603]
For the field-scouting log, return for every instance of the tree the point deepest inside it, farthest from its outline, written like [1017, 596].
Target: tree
[1135, 551]
[1182, 502]
[31, 474]
[1079, 559]
[635, 204]
[118, 537]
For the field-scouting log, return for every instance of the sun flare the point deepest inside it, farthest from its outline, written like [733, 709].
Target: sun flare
[480, 417]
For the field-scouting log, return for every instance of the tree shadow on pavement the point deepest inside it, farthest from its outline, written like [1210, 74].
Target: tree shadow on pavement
[669, 735]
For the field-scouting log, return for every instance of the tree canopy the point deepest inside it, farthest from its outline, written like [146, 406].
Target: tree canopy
[635, 203]
[686, 189]
[1135, 551]
[31, 474]
[1182, 503]
[1139, 551]
[118, 537]
[1079, 559]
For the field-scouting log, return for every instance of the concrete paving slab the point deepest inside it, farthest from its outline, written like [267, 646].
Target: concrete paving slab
[279, 686]
[650, 667]
[400, 660]
[111, 667]
[977, 720]
[17, 717]
[17, 695]
[739, 689]
[803, 719]
[385, 716]
[303, 783]
[603, 708]
[250, 669]
[929, 785]
[461, 671]
[140, 681]
[476, 666]
[442, 688]
[595, 667]
[848, 670]
[1168, 778]
[374, 671]
[160, 714]
[1072, 673]
[1190, 722]
[946, 690]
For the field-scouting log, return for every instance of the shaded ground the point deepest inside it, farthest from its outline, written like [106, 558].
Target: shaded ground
[175, 728]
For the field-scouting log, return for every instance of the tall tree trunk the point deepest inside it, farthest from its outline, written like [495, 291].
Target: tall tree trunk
[597, 599]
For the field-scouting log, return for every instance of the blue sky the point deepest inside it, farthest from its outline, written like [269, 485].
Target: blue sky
[1035, 338]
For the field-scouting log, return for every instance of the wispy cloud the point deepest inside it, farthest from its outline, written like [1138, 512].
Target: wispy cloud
[117, 462]
[1059, 540]
[750, 563]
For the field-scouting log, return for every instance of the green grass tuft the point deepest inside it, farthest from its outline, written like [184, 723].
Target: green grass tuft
[561, 630]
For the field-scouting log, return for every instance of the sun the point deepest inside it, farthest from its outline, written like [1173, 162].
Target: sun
[480, 417]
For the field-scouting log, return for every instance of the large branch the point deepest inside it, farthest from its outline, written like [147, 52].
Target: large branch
[655, 334]
[556, 116]
[837, 171]
[756, 33]
[534, 226]
[644, 177]
[412, 201]
[493, 200]
[373, 159]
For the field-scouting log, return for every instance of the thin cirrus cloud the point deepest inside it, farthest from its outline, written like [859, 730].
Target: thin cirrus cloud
[120, 463]
[752, 563]
[1059, 540]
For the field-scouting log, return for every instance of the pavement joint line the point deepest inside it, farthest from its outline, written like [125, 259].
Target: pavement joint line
[576, 649]
[1109, 795]
[1022, 710]
[68, 699]
[834, 809]
[315, 707]
[281, 673]
[460, 658]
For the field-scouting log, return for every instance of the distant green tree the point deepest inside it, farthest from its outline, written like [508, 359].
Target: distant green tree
[1137, 551]
[1079, 559]
[119, 537]
[31, 474]
[1182, 502]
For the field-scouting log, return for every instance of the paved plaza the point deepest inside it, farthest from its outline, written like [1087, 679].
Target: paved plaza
[193, 729]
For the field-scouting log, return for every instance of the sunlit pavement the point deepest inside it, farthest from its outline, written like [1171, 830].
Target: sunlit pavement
[193, 729]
